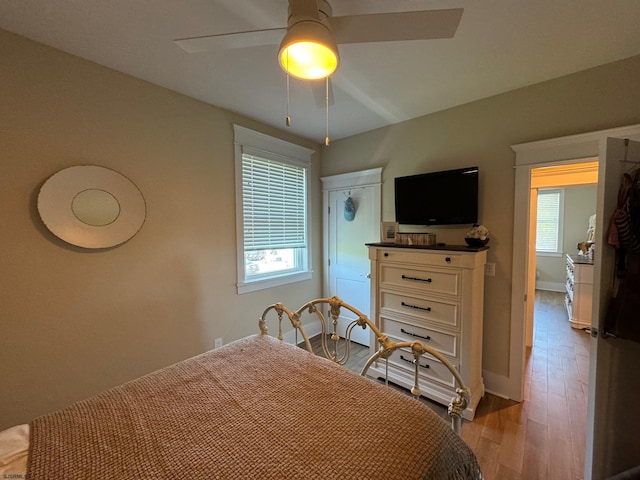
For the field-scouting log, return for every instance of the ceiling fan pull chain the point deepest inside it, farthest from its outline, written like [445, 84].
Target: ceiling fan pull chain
[326, 99]
[288, 119]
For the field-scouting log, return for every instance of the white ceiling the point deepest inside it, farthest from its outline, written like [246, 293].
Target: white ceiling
[500, 45]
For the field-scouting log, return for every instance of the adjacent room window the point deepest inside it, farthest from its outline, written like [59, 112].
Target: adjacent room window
[549, 221]
[272, 191]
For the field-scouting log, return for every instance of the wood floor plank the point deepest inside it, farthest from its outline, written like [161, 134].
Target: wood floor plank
[556, 381]
[512, 447]
[560, 459]
[538, 406]
[470, 433]
[494, 424]
[487, 454]
[536, 463]
[539, 382]
[558, 412]
[537, 435]
[577, 419]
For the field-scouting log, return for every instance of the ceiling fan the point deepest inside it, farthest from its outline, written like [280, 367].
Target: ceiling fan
[311, 22]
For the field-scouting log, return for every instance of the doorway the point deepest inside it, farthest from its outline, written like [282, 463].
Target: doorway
[352, 211]
[605, 451]
[572, 188]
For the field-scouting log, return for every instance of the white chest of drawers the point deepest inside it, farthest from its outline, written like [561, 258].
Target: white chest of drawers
[579, 287]
[435, 296]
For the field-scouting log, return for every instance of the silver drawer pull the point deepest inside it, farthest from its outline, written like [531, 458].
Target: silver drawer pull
[415, 307]
[408, 360]
[415, 335]
[416, 279]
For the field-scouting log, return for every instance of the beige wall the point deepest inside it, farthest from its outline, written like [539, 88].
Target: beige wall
[74, 322]
[480, 133]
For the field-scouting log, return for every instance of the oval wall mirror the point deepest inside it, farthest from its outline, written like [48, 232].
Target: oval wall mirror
[91, 207]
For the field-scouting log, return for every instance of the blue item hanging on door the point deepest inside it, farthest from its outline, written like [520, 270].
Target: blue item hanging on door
[349, 210]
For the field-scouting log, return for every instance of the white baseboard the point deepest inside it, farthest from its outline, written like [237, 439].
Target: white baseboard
[311, 329]
[501, 386]
[551, 286]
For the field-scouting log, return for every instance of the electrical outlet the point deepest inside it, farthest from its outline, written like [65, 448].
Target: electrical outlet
[490, 269]
[218, 343]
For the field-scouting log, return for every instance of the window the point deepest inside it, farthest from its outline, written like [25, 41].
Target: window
[272, 191]
[549, 221]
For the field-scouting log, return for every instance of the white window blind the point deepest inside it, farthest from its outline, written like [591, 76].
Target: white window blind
[274, 204]
[548, 229]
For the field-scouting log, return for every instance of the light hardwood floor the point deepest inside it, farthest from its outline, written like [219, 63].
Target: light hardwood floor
[544, 436]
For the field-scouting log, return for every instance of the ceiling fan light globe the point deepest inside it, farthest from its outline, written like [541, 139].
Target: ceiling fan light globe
[308, 51]
[308, 60]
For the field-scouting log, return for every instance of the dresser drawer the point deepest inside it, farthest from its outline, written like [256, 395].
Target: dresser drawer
[425, 280]
[421, 257]
[424, 310]
[430, 368]
[446, 343]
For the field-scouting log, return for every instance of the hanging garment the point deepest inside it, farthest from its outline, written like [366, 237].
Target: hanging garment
[624, 234]
[622, 311]
[624, 227]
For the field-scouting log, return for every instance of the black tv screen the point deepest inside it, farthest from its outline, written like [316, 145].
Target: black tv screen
[439, 198]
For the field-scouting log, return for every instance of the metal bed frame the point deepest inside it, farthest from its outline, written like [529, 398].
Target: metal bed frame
[386, 345]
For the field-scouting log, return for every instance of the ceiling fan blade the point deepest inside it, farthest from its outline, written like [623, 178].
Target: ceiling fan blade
[319, 89]
[397, 26]
[254, 38]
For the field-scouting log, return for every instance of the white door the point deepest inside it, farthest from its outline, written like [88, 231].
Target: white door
[613, 444]
[348, 261]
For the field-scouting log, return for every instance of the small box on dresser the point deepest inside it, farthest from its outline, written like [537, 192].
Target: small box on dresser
[434, 295]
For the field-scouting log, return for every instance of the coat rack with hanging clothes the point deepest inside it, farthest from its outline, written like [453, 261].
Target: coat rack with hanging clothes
[622, 319]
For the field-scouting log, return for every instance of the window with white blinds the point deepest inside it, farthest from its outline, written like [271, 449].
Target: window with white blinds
[274, 202]
[549, 221]
[272, 191]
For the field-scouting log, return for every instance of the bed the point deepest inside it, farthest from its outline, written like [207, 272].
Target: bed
[257, 407]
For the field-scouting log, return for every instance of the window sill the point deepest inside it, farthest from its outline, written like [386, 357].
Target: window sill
[549, 254]
[273, 282]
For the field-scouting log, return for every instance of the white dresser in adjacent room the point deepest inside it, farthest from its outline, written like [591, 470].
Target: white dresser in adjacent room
[435, 295]
[579, 286]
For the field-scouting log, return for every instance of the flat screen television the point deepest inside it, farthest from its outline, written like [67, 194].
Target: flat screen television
[438, 198]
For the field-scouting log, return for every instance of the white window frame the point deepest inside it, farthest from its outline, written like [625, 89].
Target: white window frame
[271, 148]
[560, 222]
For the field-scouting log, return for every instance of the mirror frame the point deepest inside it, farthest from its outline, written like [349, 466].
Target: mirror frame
[55, 206]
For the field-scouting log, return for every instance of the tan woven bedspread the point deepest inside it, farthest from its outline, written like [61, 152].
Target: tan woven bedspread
[254, 409]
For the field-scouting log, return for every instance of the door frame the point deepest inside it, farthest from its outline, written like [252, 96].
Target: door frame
[363, 178]
[533, 155]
